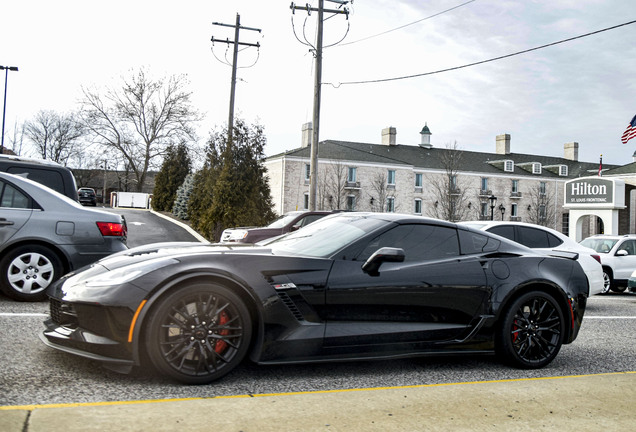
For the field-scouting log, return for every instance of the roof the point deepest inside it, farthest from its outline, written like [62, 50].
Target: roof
[431, 159]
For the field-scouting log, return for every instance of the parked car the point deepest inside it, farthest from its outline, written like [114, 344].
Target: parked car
[618, 257]
[547, 240]
[44, 234]
[631, 283]
[87, 196]
[349, 286]
[50, 174]
[287, 223]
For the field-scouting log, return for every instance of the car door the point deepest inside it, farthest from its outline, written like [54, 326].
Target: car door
[433, 295]
[625, 264]
[15, 210]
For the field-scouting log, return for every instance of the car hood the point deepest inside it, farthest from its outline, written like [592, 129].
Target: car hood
[175, 250]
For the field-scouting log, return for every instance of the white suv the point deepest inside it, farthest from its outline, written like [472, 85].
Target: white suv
[618, 257]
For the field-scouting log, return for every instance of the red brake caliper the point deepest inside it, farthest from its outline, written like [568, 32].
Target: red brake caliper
[220, 344]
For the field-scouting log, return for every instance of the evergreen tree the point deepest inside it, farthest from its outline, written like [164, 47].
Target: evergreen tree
[176, 166]
[180, 207]
[232, 189]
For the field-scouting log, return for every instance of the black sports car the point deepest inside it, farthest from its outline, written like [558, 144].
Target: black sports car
[349, 286]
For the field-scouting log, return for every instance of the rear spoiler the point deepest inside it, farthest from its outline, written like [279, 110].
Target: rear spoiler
[564, 254]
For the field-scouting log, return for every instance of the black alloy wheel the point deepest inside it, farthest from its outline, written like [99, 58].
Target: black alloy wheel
[199, 333]
[27, 271]
[532, 331]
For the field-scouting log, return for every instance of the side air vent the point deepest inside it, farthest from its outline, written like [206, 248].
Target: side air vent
[291, 306]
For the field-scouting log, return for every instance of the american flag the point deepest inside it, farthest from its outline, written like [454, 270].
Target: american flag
[630, 132]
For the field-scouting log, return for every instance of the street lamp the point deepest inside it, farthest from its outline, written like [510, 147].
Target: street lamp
[6, 70]
[493, 201]
[502, 209]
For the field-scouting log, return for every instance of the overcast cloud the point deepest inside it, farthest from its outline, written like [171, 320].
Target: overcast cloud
[583, 90]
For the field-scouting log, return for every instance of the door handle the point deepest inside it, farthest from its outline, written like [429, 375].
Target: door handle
[4, 222]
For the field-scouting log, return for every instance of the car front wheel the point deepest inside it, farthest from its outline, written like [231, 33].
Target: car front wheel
[27, 271]
[608, 281]
[531, 331]
[198, 333]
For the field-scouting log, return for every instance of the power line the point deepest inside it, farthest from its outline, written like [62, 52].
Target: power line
[406, 25]
[336, 85]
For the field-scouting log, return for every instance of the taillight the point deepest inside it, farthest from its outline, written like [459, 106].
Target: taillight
[112, 229]
[597, 258]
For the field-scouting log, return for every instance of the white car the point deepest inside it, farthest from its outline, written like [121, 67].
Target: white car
[545, 240]
[618, 256]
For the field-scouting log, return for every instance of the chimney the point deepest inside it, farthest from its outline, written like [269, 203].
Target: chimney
[503, 144]
[571, 151]
[388, 136]
[308, 134]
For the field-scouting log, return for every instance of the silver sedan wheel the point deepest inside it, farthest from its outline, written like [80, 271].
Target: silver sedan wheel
[607, 283]
[30, 273]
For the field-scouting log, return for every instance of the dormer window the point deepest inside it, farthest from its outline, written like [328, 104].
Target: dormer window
[563, 170]
[536, 168]
[509, 166]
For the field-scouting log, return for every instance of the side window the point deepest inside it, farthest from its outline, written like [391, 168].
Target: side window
[419, 241]
[307, 220]
[629, 246]
[533, 238]
[12, 198]
[473, 243]
[47, 177]
[506, 231]
[553, 240]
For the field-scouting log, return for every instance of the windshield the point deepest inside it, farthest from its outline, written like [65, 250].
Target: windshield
[282, 221]
[600, 245]
[325, 237]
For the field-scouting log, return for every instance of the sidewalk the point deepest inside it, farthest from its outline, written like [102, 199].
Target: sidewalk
[577, 403]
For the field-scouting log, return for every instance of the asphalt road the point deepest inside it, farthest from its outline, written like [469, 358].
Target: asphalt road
[33, 374]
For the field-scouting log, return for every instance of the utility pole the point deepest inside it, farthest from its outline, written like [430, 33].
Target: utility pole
[237, 27]
[313, 164]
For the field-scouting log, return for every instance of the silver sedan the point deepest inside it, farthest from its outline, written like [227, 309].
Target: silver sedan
[44, 235]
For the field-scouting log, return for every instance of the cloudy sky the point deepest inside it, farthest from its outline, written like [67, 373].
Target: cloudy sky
[583, 90]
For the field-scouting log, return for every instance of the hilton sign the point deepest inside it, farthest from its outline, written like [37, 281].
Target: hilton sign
[594, 191]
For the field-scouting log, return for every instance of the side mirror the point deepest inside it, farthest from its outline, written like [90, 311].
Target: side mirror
[385, 254]
[622, 252]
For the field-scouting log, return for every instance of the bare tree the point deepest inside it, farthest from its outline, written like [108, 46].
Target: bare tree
[448, 200]
[380, 192]
[334, 182]
[541, 209]
[140, 119]
[56, 136]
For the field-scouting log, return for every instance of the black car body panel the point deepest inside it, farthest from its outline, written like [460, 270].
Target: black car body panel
[319, 308]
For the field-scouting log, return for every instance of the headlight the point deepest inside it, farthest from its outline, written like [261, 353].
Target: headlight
[236, 235]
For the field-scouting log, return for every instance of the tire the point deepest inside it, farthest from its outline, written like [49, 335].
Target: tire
[198, 333]
[619, 288]
[608, 281]
[27, 271]
[532, 331]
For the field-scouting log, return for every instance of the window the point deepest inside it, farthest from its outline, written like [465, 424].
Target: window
[351, 202]
[542, 212]
[514, 210]
[483, 209]
[13, 198]
[390, 204]
[563, 170]
[418, 180]
[515, 186]
[537, 238]
[306, 201]
[542, 188]
[536, 168]
[418, 207]
[452, 181]
[439, 242]
[509, 166]
[307, 171]
[391, 177]
[484, 184]
[351, 178]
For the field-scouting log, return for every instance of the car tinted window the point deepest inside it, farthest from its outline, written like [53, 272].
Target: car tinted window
[419, 241]
[629, 246]
[47, 177]
[532, 237]
[506, 231]
[553, 240]
[307, 220]
[473, 243]
[12, 198]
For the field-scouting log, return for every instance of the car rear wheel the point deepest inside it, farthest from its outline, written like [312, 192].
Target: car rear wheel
[198, 333]
[26, 272]
[531, 331]
[608, 281]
